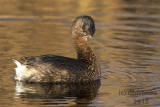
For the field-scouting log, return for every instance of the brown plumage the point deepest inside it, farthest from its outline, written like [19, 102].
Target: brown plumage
[53, 68]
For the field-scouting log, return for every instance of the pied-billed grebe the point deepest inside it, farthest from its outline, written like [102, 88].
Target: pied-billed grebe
[53, 68]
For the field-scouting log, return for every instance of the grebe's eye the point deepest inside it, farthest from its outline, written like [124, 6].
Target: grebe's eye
[87, 27]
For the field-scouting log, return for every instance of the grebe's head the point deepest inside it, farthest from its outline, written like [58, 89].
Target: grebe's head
[83, 26]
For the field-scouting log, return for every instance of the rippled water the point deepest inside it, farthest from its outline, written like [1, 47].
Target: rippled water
[126, 42]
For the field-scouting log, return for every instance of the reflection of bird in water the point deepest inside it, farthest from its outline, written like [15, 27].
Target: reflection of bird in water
[53, 68]
[52, 94]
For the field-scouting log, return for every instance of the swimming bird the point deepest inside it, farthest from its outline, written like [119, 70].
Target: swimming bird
[54, 68]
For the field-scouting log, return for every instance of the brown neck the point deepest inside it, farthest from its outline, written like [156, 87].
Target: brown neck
[84, 51]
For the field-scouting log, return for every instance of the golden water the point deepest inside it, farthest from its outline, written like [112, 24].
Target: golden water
[126, 42]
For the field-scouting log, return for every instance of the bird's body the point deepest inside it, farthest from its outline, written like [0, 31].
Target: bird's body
[53, 68]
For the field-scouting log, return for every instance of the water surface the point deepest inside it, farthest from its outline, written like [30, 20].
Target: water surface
[126, 42]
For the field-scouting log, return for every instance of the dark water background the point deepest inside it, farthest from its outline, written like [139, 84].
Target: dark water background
[126, 42]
